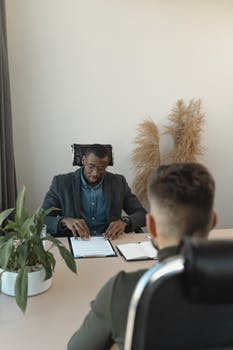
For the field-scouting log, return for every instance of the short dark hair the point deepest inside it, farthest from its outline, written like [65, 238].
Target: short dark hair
[99, 151]
[185, 188]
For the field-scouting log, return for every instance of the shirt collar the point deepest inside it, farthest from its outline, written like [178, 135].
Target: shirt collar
[168, 252]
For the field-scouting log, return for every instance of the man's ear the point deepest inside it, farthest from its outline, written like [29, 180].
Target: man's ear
[83, 160]
[214, 220]
[151, 225]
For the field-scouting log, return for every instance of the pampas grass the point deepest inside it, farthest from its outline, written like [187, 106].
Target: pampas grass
[145, 157]
[186, 124]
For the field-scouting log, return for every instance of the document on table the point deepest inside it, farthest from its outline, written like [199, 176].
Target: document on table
[138, 251]
[94, 247]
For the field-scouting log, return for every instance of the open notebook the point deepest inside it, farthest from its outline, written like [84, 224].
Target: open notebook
[138, 251]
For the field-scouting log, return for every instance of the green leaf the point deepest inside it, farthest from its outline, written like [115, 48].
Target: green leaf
[20, 202]
[41, 254]
[4, 214]
[65, 253]
[21, 288]
[48, 211]
[68, 257]
[5, 253]
[43, 258]
[22, 252]
[54, 240]
[48, 272]
[5, 238]
[51, 259]
[38, 219]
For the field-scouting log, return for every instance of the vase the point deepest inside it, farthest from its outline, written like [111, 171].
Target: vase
[36, 282]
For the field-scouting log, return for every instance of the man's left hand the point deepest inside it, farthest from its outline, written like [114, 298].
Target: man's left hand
[115, 229]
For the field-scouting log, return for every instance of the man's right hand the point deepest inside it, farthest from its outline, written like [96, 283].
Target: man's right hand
[77, 226]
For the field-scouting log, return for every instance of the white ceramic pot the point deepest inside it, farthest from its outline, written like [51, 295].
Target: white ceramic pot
[36, 283]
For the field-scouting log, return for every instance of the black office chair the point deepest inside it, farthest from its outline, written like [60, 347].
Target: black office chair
[80, 149]
[185, 302]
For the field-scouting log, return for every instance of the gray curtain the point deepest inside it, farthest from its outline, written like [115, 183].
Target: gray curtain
[8, 189]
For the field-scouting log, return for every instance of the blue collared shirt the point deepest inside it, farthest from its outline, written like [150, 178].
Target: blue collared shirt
[94, 206]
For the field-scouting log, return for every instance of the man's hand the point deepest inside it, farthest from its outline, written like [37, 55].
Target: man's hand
[77, 226]
[115, 229]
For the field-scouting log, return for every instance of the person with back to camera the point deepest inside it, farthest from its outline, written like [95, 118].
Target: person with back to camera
[91, 200]
[181, 204]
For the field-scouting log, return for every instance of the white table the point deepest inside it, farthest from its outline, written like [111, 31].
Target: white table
[52, 317]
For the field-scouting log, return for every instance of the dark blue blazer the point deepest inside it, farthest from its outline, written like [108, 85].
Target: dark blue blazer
[65, 193]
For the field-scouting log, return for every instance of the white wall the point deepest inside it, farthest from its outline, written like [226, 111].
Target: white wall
[90, 71]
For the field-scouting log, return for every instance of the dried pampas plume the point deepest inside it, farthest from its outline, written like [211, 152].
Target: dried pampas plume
[145, 157]
[185, 129]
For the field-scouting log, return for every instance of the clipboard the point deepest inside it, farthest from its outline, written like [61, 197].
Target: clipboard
[95, 247]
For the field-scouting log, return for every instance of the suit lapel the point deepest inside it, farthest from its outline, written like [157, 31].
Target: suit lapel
[76, 187]
[107, 195]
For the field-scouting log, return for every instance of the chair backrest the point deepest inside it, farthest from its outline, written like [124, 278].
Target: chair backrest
[185, 302]
[79, 151]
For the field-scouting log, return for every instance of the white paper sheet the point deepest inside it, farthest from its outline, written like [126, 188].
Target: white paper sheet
[96, 246]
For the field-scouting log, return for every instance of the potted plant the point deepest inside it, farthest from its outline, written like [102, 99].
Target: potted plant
[23, 255]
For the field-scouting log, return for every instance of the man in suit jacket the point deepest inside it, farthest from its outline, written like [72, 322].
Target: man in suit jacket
[91, 200]
[181, 199]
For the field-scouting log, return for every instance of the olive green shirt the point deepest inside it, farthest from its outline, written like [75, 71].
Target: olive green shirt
[105, 324]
